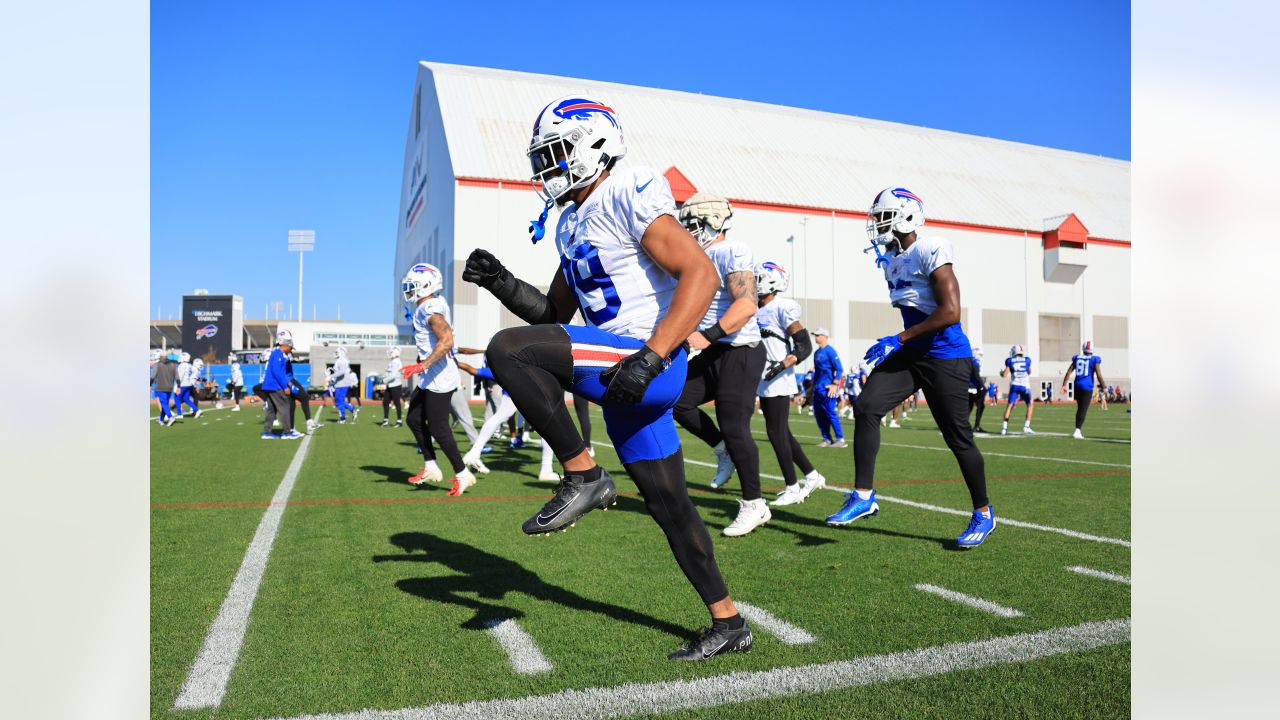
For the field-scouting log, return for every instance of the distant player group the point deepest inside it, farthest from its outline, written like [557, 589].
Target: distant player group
[677, 315]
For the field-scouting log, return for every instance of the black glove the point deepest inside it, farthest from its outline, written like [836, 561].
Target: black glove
[484, 269]
[776, 368]
[627, 381]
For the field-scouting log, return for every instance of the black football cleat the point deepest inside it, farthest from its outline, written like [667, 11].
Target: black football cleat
[574, 498]
[715, 641]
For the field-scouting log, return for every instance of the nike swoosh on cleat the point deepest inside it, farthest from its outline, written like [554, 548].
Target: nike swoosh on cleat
[640, 188]
[706, 654]
[553, 516]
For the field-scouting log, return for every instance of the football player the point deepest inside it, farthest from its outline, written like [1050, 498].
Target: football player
[786, 344]
[931, 353]
[438, 377]
[506, 410]
[977, 386]
[1018, 368]
[828, 374]
[393, 387]
[277, 387]
[730, 360]
[166, 374]
[343, 380]
[186, 380]
[236, 383]
[1085, 366]
[642, 284]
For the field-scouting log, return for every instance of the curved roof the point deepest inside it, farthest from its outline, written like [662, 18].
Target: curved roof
[782, 155]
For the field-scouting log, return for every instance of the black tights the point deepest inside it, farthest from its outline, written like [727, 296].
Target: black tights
[582, 406]
[1083, 398]
[777, 423]
[729, 375]
[429, 418]
[978, 402]
[535, 366]
[299, 396]
[945, 383]
[390, 395]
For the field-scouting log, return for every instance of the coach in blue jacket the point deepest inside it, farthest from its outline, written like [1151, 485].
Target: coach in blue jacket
[827, 376]
[275, 385]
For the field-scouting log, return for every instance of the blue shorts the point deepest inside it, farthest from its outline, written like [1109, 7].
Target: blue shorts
[646, 430]
[1017, 393]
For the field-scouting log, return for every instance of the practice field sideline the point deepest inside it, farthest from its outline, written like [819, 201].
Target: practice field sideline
[379, 600]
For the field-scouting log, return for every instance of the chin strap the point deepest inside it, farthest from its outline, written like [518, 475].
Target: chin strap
[539, 227]
[881, 259]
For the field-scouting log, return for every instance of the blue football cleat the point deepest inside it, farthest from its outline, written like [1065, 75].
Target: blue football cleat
[517, 442]
[979, 528]
[486, 450]
[854, 508]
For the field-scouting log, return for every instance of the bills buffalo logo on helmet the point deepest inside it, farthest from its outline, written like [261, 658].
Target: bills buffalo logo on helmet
[578, 109]
[207, 331]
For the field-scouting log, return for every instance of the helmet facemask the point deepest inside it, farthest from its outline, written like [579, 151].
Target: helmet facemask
[560, 165]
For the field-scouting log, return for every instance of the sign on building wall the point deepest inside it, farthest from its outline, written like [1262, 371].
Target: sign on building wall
[207, 324]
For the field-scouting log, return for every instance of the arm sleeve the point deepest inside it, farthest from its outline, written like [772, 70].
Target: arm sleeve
[641, 197]
[802, 345]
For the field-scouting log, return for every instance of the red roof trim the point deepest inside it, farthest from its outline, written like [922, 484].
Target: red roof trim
[815, 210]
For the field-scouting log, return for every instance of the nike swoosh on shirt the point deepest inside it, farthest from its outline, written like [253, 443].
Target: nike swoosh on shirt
[640, 188]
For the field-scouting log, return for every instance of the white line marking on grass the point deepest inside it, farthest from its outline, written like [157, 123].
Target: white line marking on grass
[739, 687]
[767, 621]
[207, 681]
[1100, 574]
[971, 601]
[521, 649]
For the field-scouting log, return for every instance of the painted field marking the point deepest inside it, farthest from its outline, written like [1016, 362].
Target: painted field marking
[521, 649]
[937, 508]
[1100, 574]
[775, 626]
[207, 681]
[971, 601]
[739, 687]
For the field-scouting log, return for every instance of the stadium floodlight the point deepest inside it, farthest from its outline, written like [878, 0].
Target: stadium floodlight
[301, 241]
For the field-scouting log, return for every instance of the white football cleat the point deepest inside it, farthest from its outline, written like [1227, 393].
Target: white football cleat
[790, 496]
[724, 467]
[549, 476]
[477, 464]
[235, 409]
[1026, 430]
[751, 515]
[894, 423]
[1077, 434]
[811, 482]
[461, 482]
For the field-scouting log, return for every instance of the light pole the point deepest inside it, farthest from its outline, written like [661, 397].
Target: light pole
[301, 241]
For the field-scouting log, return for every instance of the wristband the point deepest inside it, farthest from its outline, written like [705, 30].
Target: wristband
[714, 333]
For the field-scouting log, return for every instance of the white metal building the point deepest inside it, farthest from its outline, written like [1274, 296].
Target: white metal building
[1042, 235]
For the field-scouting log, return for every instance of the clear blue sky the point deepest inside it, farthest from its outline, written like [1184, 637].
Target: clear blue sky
[272, 116]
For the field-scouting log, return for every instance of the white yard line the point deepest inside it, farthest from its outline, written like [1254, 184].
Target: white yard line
[207, 681]
[1000, 520]
[521, 649]
[775, 626]
[1100, 574]
[971, 601]
[597, 703]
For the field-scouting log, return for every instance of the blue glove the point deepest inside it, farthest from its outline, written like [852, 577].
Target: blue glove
[881, 349]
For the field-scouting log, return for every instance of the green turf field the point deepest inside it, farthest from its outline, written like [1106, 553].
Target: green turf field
[379, 595]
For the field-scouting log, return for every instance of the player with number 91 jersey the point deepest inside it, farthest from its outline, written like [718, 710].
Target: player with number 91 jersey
[620, 289]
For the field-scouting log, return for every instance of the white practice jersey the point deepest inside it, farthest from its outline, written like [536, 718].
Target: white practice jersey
[237, 376]
[342, 375]
[393, 378]
[620, 288]
[186, 375]
[772, 322]
[730, 256]
[442, 376]
[908, 273]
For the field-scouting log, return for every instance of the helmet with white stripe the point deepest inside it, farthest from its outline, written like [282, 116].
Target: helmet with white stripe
[770, 278]
[422, 281]
[895, 209]
[1087, 348]
[574, 139]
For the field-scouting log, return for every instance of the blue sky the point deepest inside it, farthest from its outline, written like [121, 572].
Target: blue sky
[272, 116]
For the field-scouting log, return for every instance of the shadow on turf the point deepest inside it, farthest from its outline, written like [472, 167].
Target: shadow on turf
[493, 577]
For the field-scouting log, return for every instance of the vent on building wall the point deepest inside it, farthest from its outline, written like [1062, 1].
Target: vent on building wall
[1066, 253]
